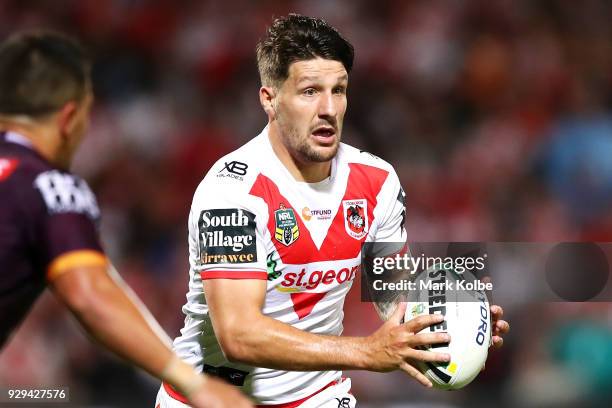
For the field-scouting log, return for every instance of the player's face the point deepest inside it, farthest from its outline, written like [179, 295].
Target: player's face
[310, 108]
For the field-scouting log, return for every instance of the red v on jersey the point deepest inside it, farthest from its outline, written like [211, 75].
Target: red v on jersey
[364, 182]
[304, 302]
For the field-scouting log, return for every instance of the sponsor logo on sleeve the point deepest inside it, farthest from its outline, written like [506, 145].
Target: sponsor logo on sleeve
[344, 402]
[66, 193]
[356, 217]
[234, 169]
[287, 230]
[227, 235]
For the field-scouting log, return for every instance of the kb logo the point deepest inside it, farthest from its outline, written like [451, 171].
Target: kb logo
[344, 402]
[236, 167]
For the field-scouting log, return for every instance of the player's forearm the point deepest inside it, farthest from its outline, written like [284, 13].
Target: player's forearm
[266, 342]
[113, 315]
[111, 318]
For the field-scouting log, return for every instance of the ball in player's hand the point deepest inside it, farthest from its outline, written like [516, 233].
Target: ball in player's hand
[467, 321]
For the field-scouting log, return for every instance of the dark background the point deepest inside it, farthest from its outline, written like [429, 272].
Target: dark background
[495, 113]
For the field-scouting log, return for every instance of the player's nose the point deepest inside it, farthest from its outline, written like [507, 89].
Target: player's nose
[327, 107]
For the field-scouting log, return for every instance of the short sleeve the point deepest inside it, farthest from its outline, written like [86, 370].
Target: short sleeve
[392, 223]
[226, 234]
[63, 215]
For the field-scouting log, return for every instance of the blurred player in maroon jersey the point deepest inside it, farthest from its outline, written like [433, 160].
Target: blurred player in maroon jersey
[48, 216]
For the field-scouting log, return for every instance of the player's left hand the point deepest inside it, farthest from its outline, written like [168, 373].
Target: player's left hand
[499, 326]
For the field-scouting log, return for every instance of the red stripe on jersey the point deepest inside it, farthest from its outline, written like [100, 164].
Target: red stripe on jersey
[304, 302]
[174, 393]
[301, 249]
[233, 275]
[364, 182]
[7, 167]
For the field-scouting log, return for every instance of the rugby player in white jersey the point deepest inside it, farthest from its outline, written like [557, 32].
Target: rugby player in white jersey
[275, 234]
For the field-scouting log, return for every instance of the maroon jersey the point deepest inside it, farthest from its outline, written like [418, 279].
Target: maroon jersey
[48, 223]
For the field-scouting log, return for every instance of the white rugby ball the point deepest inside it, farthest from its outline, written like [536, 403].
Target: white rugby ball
[467, 321]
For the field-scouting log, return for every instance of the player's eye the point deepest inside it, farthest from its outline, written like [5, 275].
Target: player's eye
[309, 91]
[340, 90]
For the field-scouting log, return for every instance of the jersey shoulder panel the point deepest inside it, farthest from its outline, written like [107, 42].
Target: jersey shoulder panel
[226, 222]
[35, 184]
[20, 169]
[350, 154]
[51, 212]
[390, 213]
[374, 169]
[20, 163]
[233, 175]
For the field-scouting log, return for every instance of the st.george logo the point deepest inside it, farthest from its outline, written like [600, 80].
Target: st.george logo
[356, 217]
[287, 230]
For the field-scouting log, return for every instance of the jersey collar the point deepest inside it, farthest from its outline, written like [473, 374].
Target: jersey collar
[18, 138]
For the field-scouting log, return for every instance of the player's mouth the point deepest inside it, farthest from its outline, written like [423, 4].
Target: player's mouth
[325, 135]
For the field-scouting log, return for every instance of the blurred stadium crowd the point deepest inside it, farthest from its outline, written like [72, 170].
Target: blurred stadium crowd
[497, 115]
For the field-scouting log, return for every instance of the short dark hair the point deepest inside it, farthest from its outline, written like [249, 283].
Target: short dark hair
[298, 38]
[40, 71]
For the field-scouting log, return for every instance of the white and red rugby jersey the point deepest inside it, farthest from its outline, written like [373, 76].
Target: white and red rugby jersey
[250, 219]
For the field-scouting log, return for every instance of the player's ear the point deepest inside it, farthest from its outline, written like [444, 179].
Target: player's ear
[67, 118]
[266, 98]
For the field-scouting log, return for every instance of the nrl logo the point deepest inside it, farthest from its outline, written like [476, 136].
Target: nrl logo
[356, 217]
[287, 230]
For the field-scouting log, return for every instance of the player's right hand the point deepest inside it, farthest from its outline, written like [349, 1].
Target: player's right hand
[395, 345]
[215, 393]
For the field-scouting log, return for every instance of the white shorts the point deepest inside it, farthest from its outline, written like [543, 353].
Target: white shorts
[334, 396]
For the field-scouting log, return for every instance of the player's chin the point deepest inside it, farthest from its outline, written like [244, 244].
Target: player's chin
[324, 153]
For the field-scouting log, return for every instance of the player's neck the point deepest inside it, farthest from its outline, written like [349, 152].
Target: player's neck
[309, 172]
[40, 136]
